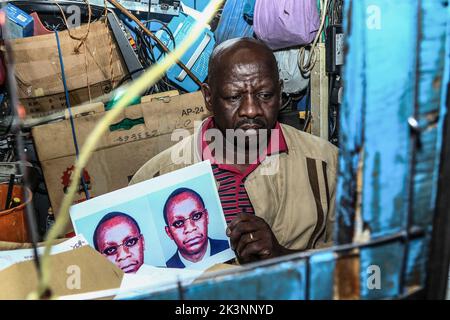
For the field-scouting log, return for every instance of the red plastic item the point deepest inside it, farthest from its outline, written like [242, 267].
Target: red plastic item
[70, 235]
[39, 28]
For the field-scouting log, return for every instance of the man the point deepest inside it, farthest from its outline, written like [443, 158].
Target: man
[118, 237]
[274, 212]
[187, 225]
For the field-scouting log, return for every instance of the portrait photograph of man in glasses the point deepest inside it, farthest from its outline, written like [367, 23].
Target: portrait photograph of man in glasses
[118, 237]
[187, 219]
[173, 221]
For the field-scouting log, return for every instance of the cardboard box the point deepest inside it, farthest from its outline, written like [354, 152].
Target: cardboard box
[73, 272]
[38, 68]
[119, 154]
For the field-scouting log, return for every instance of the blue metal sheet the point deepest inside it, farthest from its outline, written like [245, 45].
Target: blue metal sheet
[431, 107]
[388, 258]
[232, 23]
[322, 266]
[389, 94]
[284, 281]
[374, 117]
[351, 124]
[417, 262]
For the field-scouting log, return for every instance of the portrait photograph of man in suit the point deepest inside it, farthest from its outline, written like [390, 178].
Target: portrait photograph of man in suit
[118, 237]
[186, 218]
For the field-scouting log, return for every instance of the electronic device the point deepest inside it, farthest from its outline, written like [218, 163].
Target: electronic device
[168, 7]
[335, 48]
[134, 67]
[20, 24]
[158, 7]
[196, 58]
[137, 6]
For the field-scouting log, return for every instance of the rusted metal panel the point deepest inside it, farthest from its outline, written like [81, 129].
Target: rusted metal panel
[346, 277]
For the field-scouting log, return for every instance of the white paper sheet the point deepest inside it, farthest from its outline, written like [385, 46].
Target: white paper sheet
[10, 257]
[149, 279]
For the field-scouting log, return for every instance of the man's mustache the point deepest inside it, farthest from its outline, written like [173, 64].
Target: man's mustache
[251, 122]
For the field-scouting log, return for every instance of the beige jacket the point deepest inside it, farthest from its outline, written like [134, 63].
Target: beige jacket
[293, 192]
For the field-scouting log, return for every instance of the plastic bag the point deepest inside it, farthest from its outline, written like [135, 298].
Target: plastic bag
[293, 80]
[286, 23]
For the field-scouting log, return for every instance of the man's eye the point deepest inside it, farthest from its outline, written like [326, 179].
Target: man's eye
[131, 242]
[178, 224]
[110, 250]
[197, 216]
[265, 96]
[233, 98]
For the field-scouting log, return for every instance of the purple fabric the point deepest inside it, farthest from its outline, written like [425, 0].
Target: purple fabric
[286, 23]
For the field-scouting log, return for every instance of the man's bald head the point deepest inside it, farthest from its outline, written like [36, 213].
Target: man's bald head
[240, 50]
[243, 90]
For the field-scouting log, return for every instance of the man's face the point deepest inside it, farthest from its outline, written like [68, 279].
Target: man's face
[246, 94]
[119, 240]
[187, 224]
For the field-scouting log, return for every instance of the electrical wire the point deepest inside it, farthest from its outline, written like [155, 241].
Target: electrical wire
[306, 67]
[147, 79]
[164, 28]
[308, 108]
[69, 108]
[284, 106]
[147, 57]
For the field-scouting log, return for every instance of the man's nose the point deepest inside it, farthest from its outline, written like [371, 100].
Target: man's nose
[250, 107]
[190, 226]
[122, 253]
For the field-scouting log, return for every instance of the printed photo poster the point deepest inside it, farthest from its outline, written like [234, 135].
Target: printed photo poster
[174, 221]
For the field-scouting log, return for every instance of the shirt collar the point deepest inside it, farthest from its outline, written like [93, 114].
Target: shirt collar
[188, 263]
[272, 147]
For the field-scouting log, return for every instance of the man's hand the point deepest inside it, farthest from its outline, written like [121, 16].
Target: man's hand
[252, 239]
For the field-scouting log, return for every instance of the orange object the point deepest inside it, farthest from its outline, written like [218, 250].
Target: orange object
[13, 225]
[21, 112]
[2, 18]
[39, 28]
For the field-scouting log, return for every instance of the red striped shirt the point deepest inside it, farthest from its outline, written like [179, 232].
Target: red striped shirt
[232, 193]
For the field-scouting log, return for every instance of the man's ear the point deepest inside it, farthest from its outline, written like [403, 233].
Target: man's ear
[168, 232]
[206, 90]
